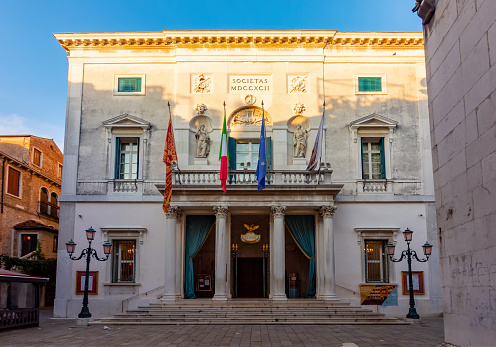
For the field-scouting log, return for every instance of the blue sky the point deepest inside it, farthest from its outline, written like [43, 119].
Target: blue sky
[33, 66]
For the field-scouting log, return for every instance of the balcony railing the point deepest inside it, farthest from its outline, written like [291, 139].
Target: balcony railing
[49, 209]
[248, 177]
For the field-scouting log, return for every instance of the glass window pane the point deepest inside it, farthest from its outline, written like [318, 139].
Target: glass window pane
[242, 147]
[255, 147]
[375, 146]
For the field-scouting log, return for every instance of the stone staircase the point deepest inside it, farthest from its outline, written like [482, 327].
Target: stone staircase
[246, 311]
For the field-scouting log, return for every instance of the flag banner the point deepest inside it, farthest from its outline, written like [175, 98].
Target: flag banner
[262, 157]
[170, 155]
[317, 147]
[223, 154]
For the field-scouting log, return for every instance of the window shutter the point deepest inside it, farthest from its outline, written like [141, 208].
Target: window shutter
[137, 157]
[361, 157]
[268, 141]
[117, 157]
[231, 147]
[383, 159]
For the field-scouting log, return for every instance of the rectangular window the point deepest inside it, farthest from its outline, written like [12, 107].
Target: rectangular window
[373, 160]
[247, 152]
[369, 84]
[14, 182]
[55, 243]
[376, 264]
[129, 85]
[28, 243]
[127, 158]
[36, 157]
[124, 261]
[59, 171]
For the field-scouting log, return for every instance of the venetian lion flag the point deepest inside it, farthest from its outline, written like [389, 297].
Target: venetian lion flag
[169, 156]
[223, 154]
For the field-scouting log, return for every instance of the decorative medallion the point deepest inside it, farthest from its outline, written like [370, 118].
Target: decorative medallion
[250, 236]
[200, 109]
[250, 99]
[298, 109]
[298, 84]
[202, 84]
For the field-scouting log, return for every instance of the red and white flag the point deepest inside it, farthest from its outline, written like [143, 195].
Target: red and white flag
[170, 155]
[317, 147]
[223, 154]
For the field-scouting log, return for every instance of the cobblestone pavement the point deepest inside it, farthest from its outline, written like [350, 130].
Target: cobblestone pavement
[63, 332]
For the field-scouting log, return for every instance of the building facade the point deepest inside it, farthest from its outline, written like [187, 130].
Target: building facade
[31, 174]
[307, 234]
[461, 75]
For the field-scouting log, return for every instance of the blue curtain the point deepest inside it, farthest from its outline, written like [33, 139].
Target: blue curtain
[302, 230]
[197, 230]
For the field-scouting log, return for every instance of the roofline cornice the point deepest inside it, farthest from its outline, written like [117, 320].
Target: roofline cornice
[249, 37]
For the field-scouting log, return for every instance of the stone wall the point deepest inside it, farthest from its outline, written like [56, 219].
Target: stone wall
[461, 73]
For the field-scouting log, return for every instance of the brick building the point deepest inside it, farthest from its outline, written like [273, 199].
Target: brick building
[31, 175]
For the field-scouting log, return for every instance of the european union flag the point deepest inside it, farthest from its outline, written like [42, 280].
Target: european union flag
[262, 158]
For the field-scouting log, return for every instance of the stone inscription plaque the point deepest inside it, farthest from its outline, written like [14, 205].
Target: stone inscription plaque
[250, 84]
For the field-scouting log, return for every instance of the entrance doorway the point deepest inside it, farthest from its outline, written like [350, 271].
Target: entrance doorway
[250, 256]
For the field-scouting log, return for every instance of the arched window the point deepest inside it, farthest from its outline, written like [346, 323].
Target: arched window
[44, 201]
[54, 205]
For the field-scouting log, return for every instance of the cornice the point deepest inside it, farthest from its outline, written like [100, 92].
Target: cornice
[174, 39]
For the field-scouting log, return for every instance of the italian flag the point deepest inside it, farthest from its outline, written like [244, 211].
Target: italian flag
[223, 156]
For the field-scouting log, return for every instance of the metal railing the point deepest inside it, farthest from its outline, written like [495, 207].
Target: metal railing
[49, 209]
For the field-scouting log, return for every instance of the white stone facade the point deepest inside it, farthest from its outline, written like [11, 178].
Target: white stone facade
[245, 68]
[461, 78]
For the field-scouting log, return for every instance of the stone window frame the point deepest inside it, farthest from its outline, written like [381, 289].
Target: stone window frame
[125, 233]
[387, 234]
[382, 76]
[19, 239]
[116, 85]
[60, 169]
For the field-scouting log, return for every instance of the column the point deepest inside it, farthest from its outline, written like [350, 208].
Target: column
[329, 287]
[220, 253]
[170, 292]
[278, 254]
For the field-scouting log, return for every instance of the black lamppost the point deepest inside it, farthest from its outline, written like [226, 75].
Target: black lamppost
[409, 254]
[71, 247]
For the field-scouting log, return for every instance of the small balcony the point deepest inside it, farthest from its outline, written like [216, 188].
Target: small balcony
[49, 210]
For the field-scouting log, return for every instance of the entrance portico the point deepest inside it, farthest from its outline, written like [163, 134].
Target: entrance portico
[314, 198]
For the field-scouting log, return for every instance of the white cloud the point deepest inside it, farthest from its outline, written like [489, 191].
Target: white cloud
[14, 124]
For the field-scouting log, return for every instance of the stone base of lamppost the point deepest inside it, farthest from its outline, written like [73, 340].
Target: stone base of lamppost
[413, 321]
[83, 322]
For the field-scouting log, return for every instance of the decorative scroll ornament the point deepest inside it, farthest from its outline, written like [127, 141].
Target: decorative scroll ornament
[327, 211]
[250, 236]
[220, 211]
[201, 84]
[248, 117]
[172, 212]
[298, 84]
[278, 211]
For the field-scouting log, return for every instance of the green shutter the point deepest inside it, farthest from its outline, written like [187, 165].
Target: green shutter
[383, 159]
[369, 84]
[268, 141]
[231, 147]
[117, 157]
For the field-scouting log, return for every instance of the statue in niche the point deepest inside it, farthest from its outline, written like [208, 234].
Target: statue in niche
[200, 109]
[299, 142]
[202, 142]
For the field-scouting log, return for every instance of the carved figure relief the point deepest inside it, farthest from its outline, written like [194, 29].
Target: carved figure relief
[299, 142]
[250, 116]
[298, 84]
[200, 109]
[202, 84]
[202, 142]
